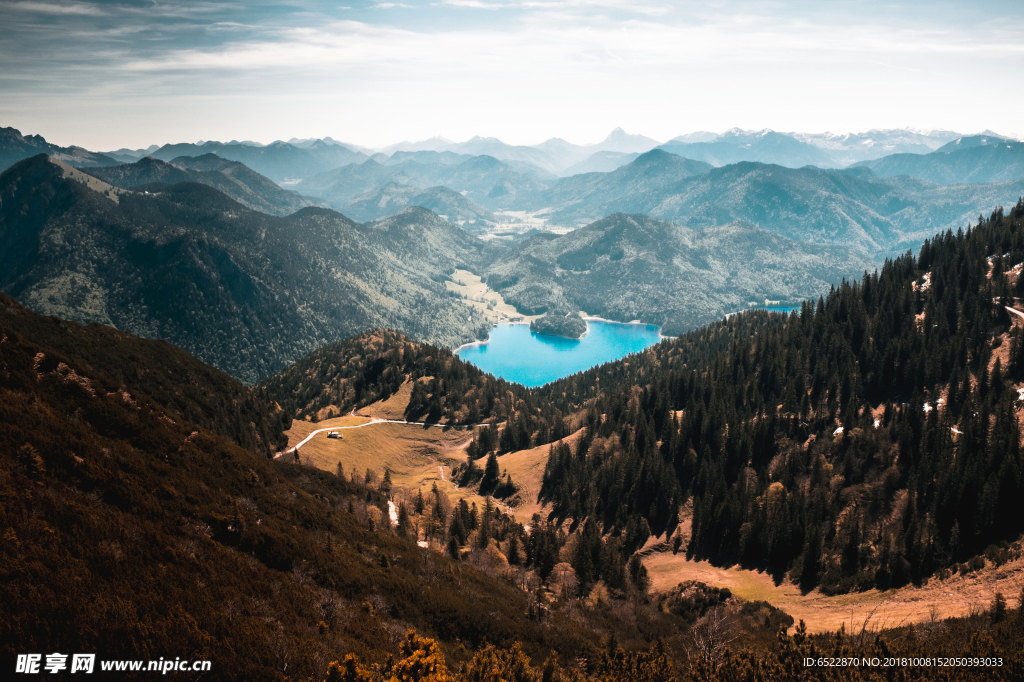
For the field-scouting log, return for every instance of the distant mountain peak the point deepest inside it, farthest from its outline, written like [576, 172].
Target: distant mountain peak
[619, 134]
[619, 140]
[654, 156]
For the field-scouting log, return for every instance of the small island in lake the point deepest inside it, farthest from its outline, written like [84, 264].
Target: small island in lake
[570, 325]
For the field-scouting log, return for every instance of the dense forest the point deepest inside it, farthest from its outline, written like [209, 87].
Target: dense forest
[871, 439]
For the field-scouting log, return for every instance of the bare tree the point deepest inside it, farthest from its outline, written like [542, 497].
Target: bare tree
[712, 634]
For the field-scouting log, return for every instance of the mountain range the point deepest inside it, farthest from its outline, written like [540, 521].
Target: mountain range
[492, 183]
[849, 148]
[633, 267]
[766, 146]
[975, 159]
[852, 207]
[212, 255]
[233, 178]
[393, 198]
[554, 155]
[299, 158]
[243, 290]
[14, 147]
[279, 161]
[249, 292]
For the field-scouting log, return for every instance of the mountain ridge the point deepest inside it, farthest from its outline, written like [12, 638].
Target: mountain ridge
[973, 159]
[243, 290]
[233, 178]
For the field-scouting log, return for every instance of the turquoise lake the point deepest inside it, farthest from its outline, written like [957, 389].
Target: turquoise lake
[514, 353]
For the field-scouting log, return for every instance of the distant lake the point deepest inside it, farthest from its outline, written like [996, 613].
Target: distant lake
[514, 353]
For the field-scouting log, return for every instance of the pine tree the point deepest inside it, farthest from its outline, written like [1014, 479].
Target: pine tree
[403, 527]
[998, 608]
[491, 474]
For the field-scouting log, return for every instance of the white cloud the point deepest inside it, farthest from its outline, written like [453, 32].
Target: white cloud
[64, 8]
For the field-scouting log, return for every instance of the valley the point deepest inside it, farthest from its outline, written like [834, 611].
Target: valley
[475, 293]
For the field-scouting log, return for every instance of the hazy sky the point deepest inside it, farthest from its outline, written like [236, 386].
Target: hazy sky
[110, 74]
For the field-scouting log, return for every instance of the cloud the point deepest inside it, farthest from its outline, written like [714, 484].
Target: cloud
[475, 4]
[552, 43]
[66, 8]
[532, 67]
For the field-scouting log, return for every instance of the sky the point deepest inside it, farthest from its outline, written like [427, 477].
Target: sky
[105, 75]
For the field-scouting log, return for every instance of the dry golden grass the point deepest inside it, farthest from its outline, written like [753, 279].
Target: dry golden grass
[527, 470]
[393, 407]
[872, 609]
[301, 429]
[410, 452]
[417, 457]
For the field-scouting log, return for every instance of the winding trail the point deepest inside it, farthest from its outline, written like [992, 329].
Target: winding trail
[1015, 311]
[373, 420]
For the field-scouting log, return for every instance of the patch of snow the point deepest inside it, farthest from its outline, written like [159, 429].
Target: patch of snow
[878, 422]
[423, 543]
[928, 408]
[838, 431]
[393, 513]
[956, 430]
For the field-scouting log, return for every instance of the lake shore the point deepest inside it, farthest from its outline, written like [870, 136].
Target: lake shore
[534, 359]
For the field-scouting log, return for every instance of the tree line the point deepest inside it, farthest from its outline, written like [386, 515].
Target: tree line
[869, 439]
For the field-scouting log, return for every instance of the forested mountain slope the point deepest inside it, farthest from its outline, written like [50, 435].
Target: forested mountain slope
[628, 267]
[850, 208]
[598, 194]
[870, 440]
[234, 179]
[373, 366]
[393, 198]
[245, 291]
[485, 180]
[165, 373]
[182, 543]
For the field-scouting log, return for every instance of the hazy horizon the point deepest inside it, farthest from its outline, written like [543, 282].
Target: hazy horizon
[105, 75]
[454, 142]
